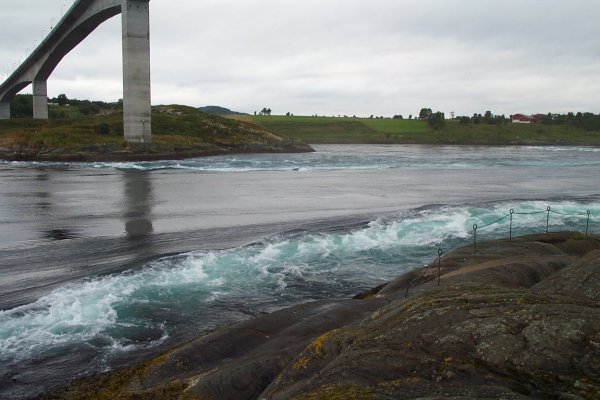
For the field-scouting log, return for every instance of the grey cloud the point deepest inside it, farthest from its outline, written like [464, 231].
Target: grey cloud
[345, 56]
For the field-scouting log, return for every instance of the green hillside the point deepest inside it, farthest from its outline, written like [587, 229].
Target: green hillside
[396, 131]
[172, 125]
[175, 129]
[341, 130]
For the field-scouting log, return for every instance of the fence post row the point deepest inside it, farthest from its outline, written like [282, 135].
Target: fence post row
[511, 213]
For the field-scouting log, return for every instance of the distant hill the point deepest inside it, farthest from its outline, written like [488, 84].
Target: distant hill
[216, 110]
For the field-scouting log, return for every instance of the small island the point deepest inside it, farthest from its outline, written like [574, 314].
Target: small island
[88, 132]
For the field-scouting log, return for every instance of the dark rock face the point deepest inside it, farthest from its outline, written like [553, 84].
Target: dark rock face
[520, 319]
[240, 362]
[461, 341]
[517, 320]
[581, 279]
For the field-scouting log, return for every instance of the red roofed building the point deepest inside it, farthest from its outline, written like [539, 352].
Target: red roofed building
[526, 119]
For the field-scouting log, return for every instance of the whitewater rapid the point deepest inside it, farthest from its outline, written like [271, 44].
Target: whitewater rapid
[133, 309]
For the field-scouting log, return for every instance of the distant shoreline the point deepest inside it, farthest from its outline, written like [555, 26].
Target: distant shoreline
[111, 153]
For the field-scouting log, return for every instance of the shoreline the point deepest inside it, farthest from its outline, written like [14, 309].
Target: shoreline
[407, 338]
[108, 153]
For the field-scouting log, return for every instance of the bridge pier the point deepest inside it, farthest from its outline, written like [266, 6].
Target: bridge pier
[40, 100]
[137, 107]
[5, 110]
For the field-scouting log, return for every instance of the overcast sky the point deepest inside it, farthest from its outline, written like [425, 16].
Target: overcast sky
[331, 57]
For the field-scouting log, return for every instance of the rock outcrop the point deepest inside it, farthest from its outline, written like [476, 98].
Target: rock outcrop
[517, 320]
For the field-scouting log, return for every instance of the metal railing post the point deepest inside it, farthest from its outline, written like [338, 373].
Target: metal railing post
[440, 252]
[587, 225]
[510, 228]
[474, 239]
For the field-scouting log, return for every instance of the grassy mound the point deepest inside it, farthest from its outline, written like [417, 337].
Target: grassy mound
[177, 131]
[172, 125]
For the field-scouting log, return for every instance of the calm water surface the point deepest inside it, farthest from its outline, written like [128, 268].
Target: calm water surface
[104, 263]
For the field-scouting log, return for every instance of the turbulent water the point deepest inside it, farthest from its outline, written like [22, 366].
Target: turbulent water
[361, 158]
[95, 322]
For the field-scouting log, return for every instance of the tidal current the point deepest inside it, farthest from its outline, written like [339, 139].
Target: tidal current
[103, 264]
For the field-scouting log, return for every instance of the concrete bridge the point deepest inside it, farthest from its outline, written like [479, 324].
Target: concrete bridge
[79, 21]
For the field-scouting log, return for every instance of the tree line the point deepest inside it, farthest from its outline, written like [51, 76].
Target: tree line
[586, 121]
[21, 106]
[487, 118]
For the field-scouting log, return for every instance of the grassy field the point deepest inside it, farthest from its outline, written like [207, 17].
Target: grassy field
[367, 130]
[340, 130]
[517, 134]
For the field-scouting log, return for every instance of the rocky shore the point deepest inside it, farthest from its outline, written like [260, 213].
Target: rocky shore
[519, 319]
[116, 153]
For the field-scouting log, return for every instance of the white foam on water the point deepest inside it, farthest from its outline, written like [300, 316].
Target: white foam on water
[100, 309]
[359, 158]
[81, 312]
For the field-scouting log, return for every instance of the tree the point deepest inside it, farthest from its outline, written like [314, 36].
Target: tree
[437, 120]
[547, 119]
[88, 108]
[488, 117]
[21, 106]
[425, 113]
[62, 100]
